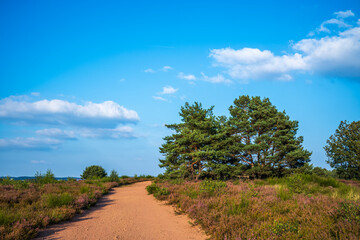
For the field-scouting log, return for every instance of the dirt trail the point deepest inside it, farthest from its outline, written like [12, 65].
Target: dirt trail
[126, 213]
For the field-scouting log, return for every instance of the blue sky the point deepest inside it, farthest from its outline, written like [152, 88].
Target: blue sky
[94, 82]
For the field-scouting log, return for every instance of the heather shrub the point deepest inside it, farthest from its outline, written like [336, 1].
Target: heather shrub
[255, 210]
[349, 211]
[26, 206]
[280, 227]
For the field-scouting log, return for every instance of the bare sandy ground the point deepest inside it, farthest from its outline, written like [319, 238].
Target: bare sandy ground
[126, 213]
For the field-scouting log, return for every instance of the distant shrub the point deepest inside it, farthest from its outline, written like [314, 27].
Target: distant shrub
[46, 178]
[114, 176]
[93, 172]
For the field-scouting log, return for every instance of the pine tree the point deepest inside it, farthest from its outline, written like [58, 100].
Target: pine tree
[188, 151]
[343, 150]
[264, 138]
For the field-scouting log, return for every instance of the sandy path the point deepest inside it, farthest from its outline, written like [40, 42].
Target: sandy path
[126, 213]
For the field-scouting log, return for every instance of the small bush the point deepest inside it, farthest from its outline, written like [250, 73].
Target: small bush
[58, 200]
[93, 172]
[46, 178]
[211, 187]
[114, 176]
[157, 191]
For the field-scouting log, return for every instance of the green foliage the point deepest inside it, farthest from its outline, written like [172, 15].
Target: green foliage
[349, 211]
[256, 140]
[343, 150]
[264, 138]
[188, 150]
[157, 191]
[210, 187]
[46, 178]
[283, 193]
[19, 184]
[58, 200]
[93, 172]
[114, 176]
[281, 227]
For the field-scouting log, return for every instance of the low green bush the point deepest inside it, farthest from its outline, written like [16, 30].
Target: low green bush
[157, 191]
[58, 200]
[211, 187]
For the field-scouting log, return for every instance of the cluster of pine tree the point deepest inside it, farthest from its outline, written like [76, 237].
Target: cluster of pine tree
[256, 140]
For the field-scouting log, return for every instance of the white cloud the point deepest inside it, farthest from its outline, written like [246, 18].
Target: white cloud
[215, 79]
[166, 68]
[159, 98]
[337, 56]
[57, 133]
[62, 112]
[252, 63]
[181, 75]
[31, 143]
[340, 23]
[36, 94]
[119, 132]
[169, 90]
[331, 56]
[344, 14]
[163, 69]
[149, 70]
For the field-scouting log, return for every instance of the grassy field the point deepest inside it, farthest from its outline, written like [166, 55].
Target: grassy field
[296, 207]
[27, 206]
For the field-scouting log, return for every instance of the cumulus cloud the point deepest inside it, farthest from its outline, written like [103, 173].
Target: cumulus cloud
[331, 56]
[181, 75]
[337, 56]
[62, 112]
[252, 63]
[169, 90]
[31, 143]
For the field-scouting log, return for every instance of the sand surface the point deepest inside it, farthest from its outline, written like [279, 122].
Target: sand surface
[126, 213]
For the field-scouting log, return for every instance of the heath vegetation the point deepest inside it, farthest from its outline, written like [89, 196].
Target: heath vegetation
[300, 206]
[29, 205]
